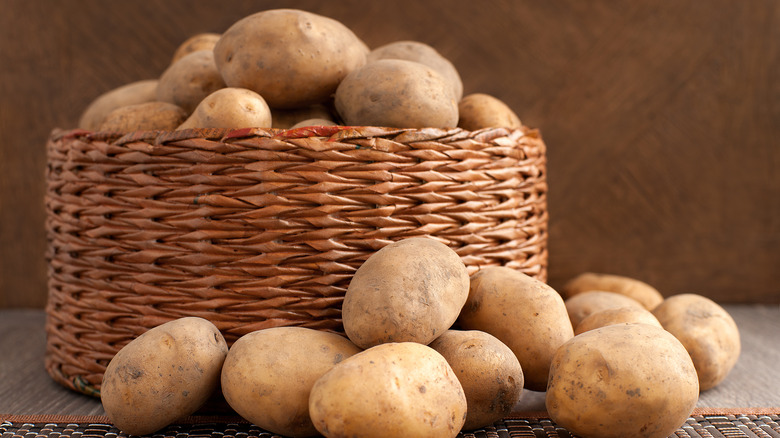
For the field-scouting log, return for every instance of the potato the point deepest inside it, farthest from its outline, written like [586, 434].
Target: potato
[128, 94]
[165, 374]
[477, 111]
[269, 373]
[232, 108]
[147, 116]
[189, 80]
[410, 290]
[521, 311]
[314, 122]
[581, 305]
[630, 380]
[617, 315]
[290, 57]
[285, 119]
[390, 390]
[201, 41]
[706, 330]
[424, 54]
[636, 289]
[489, 372]
[396, 93]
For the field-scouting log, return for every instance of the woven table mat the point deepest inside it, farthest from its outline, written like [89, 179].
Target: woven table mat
[703, 423]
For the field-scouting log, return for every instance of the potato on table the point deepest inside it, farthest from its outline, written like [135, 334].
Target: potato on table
[631, 287]
[580, 306]
[410, 290]
[706, 330]
[522, 312]
[616, 315]
[268, 375]
[163, 375]
[392, 390]
[628, 380]
[488, 370]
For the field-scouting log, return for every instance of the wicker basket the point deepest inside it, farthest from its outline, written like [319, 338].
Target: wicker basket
[257, 228]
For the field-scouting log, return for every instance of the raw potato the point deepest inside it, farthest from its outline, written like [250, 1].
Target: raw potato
[489, 372]
[410, 290]
[617, 315]
[189, 80]
[313, 122]
[290, 57]
[424, 54]
[129, 94]
[477, 111]
[391, 390]
[706, 330]
[201, 41]
[232, 108]
[147, 116]
[636, 289]
[163, 375]
[524, 313]
[269, 373]
[286, 119]
[630, 380]
[396, 93]
[581, 305]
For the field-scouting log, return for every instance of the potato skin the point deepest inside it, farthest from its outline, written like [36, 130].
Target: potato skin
[410, 290]
[617, 315]
[128, 94]
[636, 289]
[232, 108]
[290, 57]
[391, 390]
[580, 306]
[524, 313]
[163, 375]
[706, 330]
[201, 41]
[286, 119]
[147, 116]
[622, 380]
[478, 110]
[268, 375]
[417, 51]
[396, 93]
[488, 370]
[189, 80]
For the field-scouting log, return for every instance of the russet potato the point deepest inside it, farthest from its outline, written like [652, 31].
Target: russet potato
[391, 390]
[163, 375]
[625, 380]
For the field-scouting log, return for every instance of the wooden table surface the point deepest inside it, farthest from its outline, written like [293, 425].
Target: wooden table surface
[26, 389]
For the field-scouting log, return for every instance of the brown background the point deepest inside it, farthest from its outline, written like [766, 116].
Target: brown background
[661, 118]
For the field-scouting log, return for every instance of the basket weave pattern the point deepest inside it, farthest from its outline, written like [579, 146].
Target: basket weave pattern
[258, 228]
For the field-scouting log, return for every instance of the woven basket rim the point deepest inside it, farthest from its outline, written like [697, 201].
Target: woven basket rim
[330, 133]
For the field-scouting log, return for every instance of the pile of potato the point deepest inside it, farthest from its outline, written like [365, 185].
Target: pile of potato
[429, 351]
[426, 349]
[287, 68]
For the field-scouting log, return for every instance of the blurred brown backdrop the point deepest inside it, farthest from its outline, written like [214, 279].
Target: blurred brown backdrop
[661, 118]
